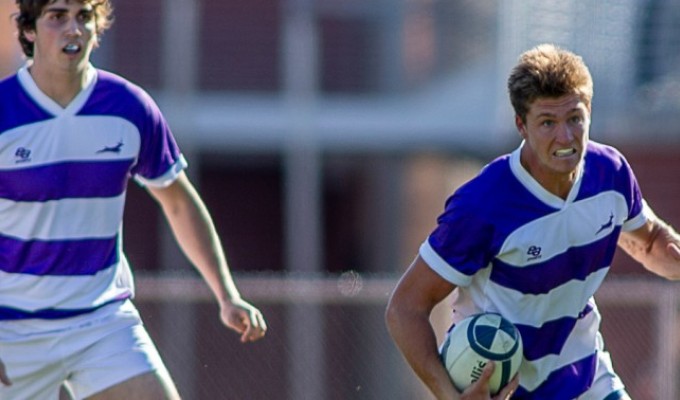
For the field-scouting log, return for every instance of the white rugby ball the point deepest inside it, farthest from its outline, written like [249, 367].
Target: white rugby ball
[473, 342]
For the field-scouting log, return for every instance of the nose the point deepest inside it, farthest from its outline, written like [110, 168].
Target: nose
[73, 28]
[565, 133]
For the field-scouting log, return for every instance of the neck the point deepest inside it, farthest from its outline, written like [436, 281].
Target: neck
[557, 183]
[560, 186]
[59, 85]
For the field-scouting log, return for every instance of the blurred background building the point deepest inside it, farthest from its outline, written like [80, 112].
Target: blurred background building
[325, 136]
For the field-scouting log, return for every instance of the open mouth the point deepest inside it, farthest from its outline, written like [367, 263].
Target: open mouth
[71, 48]
[564, 152]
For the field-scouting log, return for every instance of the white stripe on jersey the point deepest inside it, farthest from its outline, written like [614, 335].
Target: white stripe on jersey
[78, 218]
[572, 226]
[28, 292]
[531, 310]
[534, 310]
[70, 138]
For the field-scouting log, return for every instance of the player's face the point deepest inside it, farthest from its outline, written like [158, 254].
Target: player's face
[556, 135]
[65, 34]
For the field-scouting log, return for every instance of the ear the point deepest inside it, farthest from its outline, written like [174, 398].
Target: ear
[30, 35]
[521, 128]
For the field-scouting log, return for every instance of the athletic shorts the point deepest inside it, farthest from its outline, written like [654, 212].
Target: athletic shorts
[88, 353]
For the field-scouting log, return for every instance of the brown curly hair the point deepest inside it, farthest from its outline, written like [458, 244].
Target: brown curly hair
[548, 71]
[31, 10]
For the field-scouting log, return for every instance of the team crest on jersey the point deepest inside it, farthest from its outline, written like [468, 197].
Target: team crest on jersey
[112, 149]
[608, 224]
[534, 253]
[22, 155]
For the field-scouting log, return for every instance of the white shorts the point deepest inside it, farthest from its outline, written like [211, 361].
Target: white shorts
[88, 353]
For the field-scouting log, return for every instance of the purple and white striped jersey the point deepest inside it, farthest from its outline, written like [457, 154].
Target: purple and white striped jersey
[512, 247]
[63, 178]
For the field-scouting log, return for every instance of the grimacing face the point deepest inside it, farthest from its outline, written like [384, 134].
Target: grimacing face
[556, 134]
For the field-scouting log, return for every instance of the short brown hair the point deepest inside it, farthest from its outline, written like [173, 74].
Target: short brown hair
[548, 71]
[31, 10]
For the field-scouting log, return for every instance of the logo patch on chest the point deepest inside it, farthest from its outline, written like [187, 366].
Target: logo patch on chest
[534, 253]
[22, 155]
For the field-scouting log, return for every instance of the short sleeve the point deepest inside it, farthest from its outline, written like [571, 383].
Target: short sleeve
[461, 243]
[637, 208]
[160, 161]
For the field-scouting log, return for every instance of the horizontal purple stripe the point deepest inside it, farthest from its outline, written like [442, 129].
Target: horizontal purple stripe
[65, 180]
[550, 337]
[56, 258]
[566, 383]
[8, 313]
[575, 263]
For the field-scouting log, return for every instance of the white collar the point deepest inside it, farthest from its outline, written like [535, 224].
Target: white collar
[28, 83]
[532, 185]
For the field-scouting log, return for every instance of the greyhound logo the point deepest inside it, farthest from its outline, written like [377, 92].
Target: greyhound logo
[112, 149]
[608, 224]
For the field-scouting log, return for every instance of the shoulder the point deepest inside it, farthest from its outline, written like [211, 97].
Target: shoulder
[9, 81]
[16, 106]
[605, 156]
[110, 84]
[491, 179]
[606, 169]
[10, 90]
[116, 96]
[479, 195]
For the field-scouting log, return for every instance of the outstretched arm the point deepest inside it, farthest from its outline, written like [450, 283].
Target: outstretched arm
[656, 245]
[196, 235]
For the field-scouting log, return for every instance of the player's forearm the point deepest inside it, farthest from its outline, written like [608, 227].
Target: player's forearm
[662, 254]
[196, 235]
[204, 250]
[656, 246]
[415, 338]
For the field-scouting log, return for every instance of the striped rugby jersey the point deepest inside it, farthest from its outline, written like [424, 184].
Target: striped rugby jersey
[63, 178]
[512, 247]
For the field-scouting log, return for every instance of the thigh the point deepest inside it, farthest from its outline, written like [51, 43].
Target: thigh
[150, 385]
[33, 367]
[124, 359]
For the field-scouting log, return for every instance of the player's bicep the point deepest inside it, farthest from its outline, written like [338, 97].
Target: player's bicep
[174, 194]
[420, 288]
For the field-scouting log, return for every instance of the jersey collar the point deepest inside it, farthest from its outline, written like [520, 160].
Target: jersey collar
[536, 189]
[49, 105]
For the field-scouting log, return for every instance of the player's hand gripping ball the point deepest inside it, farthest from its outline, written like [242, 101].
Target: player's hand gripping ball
[476, 340]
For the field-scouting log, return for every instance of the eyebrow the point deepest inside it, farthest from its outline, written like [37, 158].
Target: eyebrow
[549, 114]
[54, 8]
[49, 9]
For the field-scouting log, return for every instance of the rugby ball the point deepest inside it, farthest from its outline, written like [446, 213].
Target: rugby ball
[473, 342]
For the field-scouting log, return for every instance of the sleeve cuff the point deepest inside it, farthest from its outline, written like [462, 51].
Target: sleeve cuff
[167, 178]
[441, 267]
[638, 220]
